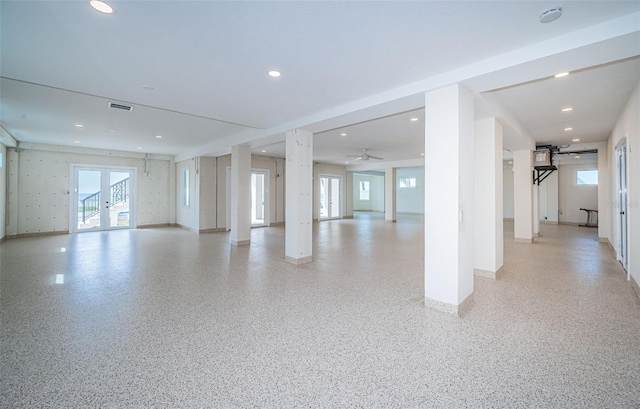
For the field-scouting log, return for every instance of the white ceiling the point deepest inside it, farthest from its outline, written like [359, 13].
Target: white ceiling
[348, 67]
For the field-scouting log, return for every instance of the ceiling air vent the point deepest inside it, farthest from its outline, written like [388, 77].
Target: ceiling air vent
[120, 106]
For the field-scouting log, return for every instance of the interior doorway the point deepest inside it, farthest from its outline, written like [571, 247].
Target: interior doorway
[102, 198]
[329, 197]
[621, 182]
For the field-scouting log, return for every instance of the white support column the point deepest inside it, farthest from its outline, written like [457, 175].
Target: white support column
[523, 196]
[299, 196]
[349, 196]
[603, 193]
[390, 195]
[240, 195]
[488, 219]
[536, 209]
[449, 129]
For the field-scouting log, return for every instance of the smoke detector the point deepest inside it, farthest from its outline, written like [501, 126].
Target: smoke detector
[550, 15]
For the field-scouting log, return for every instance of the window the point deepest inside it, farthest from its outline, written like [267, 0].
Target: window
[587, 177]
[364, 190]
[185, 187]
[407, 182]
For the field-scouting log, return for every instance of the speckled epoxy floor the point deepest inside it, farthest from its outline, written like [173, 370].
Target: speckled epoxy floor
[167, 318]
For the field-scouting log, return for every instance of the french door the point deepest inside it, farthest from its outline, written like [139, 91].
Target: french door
[329, 197]
[102, 198]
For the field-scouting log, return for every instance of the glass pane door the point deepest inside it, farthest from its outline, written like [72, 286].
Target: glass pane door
[103, 198]
[89, 201]
[259, 198]
[329, 197]
[120, 196]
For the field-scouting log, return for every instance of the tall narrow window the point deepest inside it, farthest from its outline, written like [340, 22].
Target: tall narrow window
[407, 182]
[364, 190]
[185, 187]
[588, 177]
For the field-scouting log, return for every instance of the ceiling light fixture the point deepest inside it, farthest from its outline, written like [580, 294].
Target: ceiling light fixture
[79, 126]
[414, 119]
[159, 136]
[567, 109]
[575, 140]
[510, 162]
[101, 6]
[561, 74]
[274, 73]
[551, 14]
[577, 156]
[568, 129]
[347, 162]
[422, 154]
[263, 151]
[140, 147]
[343, 134]
[76, 141]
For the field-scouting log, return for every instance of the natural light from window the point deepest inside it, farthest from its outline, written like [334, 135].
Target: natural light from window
[587, 177]
[407, 182]
[364, 190]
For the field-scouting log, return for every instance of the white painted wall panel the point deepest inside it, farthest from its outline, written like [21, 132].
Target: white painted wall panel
[573, 197]
[43, 187]
[410, 200]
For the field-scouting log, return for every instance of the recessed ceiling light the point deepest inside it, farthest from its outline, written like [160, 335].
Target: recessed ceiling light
[263, 151]
[414, 119]
[567, 109]
[139, 147]
[510, 162]
[577, 156]
[561, 74]
[422, 154]
[159, 136]
[101, 6]
[76, 141]
[147, 87]
[274, 73]
[79, 126]
[575, 140]
[347, 162]
[568, 129]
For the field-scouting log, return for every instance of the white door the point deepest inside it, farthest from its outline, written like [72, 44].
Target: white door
[102, 198]
[621, 176]
[259, 197]
[329, 196]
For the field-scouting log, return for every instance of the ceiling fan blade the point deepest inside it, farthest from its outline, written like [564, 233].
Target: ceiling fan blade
[359, 158]
[376, 157]
[353, 156]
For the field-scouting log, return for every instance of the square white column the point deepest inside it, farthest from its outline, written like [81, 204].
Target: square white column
[390, 195]
[488, 218]
[523, 196]
[299, 196]
[349, 196]
[449, 240]
[535, 198]
[240, 195]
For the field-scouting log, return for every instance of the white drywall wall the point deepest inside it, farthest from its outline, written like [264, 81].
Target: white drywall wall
[627, 126]
[573, 197]
[410, 200]
[376, 193]
[40, 187]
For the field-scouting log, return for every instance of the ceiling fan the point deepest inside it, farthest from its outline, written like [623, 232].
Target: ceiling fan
[364, 156]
